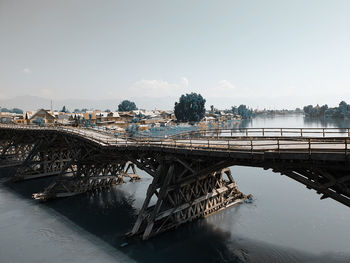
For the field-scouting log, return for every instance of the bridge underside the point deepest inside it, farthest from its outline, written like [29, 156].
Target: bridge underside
[182, 190]
[329, 182]
[185, 185]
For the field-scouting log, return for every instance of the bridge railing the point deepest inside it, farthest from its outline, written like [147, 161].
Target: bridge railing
[250, 145]
[213, 143]
[268, 132]
[97, 136]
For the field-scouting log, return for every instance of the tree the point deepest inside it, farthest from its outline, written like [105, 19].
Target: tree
[245, 112]
[5, 110]
[234, 110]
[108, 110]
[308, 109]
[127, 105]
[191, 107]
[64, 109]
[211, 108]
[342, 111]
[17, 111]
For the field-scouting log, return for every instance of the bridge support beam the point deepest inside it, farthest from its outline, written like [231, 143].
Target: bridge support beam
[183, 193]
[81, 178]
[326, 181]
[42, 163]
[13, 153]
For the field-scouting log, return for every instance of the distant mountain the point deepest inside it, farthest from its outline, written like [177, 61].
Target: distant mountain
[29, 102]
[25, 103]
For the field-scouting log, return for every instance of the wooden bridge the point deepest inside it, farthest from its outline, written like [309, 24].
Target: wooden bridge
[191, 178]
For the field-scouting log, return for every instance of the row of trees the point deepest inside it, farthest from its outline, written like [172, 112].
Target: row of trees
[125, 105]
[342, 111]
[14, 110]
[191, 108]
[243, 111]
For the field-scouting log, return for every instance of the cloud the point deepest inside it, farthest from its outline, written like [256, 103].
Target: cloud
[226, 85]
[184, 81]
[47, 93]
[157, 88]
[27, 71]
[224, 88]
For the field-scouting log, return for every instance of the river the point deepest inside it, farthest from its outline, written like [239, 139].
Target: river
[285, 223]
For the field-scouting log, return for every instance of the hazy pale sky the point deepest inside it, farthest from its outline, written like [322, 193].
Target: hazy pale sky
[263, 53]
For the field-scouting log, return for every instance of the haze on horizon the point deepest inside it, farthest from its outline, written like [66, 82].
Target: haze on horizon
[266, 54]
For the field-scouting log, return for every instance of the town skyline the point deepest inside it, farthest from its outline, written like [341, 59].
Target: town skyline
[29, 102]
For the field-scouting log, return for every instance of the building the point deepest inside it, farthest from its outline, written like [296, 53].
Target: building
[42, 117]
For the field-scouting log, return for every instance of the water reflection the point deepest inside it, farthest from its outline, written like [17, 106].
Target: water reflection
[326, 122]
[109, 214]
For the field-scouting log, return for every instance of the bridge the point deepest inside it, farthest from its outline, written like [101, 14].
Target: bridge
[191, 178]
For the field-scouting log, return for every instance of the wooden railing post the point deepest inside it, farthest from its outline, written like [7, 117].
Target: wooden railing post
[301, 132]
[281, 132]
[263, 132]
[323, 133]
[309, 146]
[346, 148]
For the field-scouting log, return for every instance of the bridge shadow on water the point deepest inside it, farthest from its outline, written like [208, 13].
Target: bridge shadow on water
[110, 213]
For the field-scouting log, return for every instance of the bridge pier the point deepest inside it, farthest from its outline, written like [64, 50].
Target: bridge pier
[82, 177]
[184, 193]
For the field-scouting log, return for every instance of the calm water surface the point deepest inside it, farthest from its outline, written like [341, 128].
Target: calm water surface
[285, 223]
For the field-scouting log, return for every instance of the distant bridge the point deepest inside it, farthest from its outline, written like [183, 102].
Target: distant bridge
[190, 171]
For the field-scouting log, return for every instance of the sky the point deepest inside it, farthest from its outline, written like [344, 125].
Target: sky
[266, 54]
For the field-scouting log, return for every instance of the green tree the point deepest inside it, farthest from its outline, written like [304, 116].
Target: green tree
[17, 111]
[127, 105]
[234, 110]
[191, 107]
[244, 111]
[64, 109]
[211, 108]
